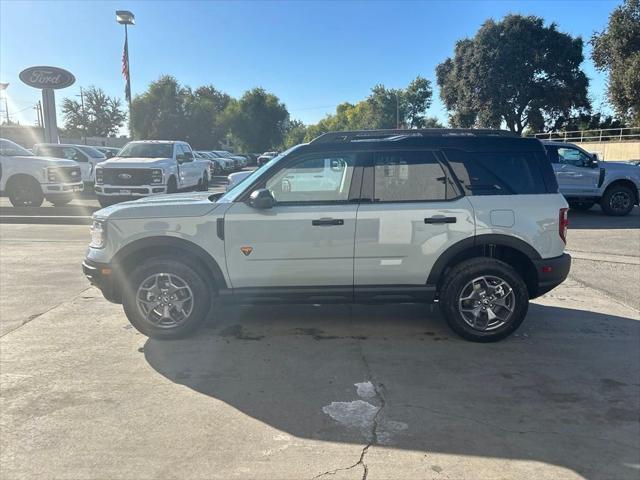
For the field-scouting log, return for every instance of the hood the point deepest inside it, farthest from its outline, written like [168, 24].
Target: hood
[191, 204]
[623, 168]
[49, 161]
[134, 162]
[236, 178]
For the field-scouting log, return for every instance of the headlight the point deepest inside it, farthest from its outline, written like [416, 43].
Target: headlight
[98, 234]
[156, 175]
[99, 176]
[53, 175]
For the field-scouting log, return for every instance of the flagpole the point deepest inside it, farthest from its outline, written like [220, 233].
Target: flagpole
[126, 42]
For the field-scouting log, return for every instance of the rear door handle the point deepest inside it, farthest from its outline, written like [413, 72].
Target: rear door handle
[440, 220]
[327, 222]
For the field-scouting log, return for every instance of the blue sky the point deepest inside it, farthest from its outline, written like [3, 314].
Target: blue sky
[313, 55]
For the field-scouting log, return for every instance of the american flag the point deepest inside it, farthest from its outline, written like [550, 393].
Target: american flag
[125, 70]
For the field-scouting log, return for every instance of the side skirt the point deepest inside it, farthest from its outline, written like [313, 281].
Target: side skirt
[331, 294]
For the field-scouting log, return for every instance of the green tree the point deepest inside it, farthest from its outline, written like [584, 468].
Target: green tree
[516, 71]
[159, 112]
[616, 50]
[295, 133]
[257, 121]
[102, 116]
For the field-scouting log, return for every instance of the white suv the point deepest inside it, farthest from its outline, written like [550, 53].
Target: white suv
[471, 219]
[150, 167]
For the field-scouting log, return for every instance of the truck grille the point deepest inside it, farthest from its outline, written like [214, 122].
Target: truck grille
[126, 176]
[70, 174]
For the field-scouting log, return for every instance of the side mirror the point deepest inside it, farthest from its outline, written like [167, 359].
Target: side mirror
[108, 155]
[261, 199]
[593, 163]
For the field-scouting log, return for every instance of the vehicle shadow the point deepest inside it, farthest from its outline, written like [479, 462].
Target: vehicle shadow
[563, 391]
[595, 219]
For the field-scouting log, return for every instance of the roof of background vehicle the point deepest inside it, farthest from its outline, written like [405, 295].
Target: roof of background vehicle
[159, 141]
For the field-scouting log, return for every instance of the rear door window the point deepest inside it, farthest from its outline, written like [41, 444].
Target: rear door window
[410, 176]
[497, 173]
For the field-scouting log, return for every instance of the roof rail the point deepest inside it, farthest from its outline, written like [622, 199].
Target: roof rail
[363, 135]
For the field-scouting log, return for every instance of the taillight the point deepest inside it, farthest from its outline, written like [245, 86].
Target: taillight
[563, 224]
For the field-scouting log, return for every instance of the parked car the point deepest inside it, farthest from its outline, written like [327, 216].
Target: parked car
[471, 219]
[585, 180]
[150, 167]
[86, 156]
[265, 157]
[108, 151]
[28, 179]
[239, 161]
[235, 178]
[215, 167]
[228, 165]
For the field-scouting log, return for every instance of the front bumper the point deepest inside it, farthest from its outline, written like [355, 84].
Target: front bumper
[130, 191]
[103, 276]
[551, 272]
[62, 188]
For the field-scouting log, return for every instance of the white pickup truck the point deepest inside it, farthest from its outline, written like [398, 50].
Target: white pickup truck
[28, 179]
[150, 167]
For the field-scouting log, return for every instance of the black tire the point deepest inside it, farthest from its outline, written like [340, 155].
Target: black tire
[581, 206]
[618, 200]
[25, 192]
[204, 183]
[172, 186]
[184, 270]
[106, 201]
[461, 276]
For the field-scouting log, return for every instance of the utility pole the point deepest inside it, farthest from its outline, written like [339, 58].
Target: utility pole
[84, 117]
[397, 110]
[37, 109]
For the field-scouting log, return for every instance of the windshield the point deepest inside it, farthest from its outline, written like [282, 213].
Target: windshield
[235, 192]
[10, 149]
[147, 150]
[92, 152]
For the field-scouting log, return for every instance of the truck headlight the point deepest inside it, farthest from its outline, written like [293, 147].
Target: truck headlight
[98, 234]
[156, 175]
[99, 176]
[53, 175]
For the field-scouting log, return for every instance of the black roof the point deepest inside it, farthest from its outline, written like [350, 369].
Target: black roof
[460, 138]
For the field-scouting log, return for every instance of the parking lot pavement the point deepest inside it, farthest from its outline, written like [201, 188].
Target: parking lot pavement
[296, 392]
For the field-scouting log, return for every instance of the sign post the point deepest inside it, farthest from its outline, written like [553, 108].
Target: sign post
[48, 79]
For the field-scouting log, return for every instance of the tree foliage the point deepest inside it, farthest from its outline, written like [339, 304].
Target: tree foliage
[383, 108]
[257, 121]
[616, 50]
[516, 72]
[102, 116]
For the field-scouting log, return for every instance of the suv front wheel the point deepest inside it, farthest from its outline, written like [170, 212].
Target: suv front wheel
[166, 299]
[484, 299]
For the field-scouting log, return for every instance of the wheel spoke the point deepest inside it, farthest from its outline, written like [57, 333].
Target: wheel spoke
[165, 300]
[486, 303]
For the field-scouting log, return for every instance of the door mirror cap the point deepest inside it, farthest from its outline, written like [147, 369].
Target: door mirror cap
[261, 199]
[593, 163]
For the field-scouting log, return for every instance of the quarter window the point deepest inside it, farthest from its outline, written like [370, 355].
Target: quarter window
[497, 173]
[318, 178]
[410, 176]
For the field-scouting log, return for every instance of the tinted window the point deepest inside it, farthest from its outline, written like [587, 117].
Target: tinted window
[409, 176]
[92, 152]
[318, 178]
[500, 173]
[147, 150]
[10, 149]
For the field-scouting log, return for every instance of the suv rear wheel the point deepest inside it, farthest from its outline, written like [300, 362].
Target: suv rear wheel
[618, 200]
[166, 299]
[484, 299]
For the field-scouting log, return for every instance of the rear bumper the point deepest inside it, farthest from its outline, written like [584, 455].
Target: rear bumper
[102, 275]
[551, 272]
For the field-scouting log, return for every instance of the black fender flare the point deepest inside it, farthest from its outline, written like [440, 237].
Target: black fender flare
[478, 240]
[174, 244]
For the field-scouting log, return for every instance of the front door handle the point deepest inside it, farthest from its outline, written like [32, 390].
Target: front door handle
[440, 220]
[327, 222]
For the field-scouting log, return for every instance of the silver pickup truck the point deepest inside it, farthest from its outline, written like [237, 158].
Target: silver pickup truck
[584, 180]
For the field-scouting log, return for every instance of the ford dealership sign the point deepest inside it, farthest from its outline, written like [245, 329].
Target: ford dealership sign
[47, 77]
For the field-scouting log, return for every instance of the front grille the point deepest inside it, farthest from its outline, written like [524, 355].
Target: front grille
[118, 176]
[70, 174]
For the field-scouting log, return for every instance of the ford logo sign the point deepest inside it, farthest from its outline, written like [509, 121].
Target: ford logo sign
[124, 176]
[74, 174]
[47, 77]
